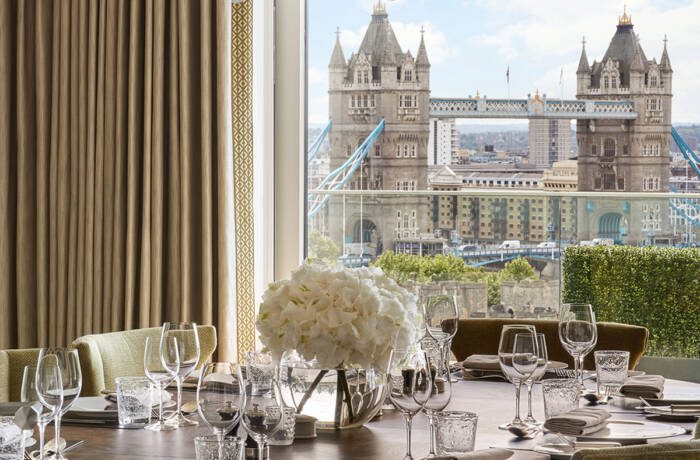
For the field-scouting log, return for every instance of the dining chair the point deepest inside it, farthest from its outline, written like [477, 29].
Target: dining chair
[104, 357]
[481, 335]
[12, 363]
[682, 450]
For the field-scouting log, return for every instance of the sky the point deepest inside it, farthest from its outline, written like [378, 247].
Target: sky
[471, 43]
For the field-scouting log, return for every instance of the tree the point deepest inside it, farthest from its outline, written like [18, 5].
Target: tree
[322, 248]
[517, 270]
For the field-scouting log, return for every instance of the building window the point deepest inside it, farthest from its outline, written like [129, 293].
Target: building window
[653, 81]
[408, 75]
[594, 150]
[608, 181]
[606, 82]
[377, 150]
[413, 150]
[408, 101]
[625, 149]
[398, 151]
[609, 147]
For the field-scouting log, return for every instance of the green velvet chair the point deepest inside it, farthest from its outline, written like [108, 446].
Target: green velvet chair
[12, 363]
[104, 357]
[481, 336]
[678, 450]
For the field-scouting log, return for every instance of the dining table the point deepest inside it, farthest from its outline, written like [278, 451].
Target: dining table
[382, 438]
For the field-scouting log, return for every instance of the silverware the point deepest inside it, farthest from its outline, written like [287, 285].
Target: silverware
[564, 373]
[524, 431]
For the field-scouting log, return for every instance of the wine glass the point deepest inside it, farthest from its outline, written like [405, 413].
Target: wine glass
[441, 386]
[189, 351]
[220, 396]
[68, 363]
[160, 374]
[262, 413]
[536, 375]
[578, 333]
[516, 369]
[43, 388]
[410, 386]
[441, 319]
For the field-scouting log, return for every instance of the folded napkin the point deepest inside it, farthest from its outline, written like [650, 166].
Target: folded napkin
[9, 408]
[482, 362]
[578, 422]
[644, 386]
[483, 454]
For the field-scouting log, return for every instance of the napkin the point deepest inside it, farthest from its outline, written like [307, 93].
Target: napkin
[9, 408]
[644, 386]
[482, 362]
[578, 422]
[483, 454]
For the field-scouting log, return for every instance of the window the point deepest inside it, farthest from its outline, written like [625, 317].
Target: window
[407, 101]
[377, 150]
[653, 103]
[653, 81]
[609, 147]
[606, 81]
[594, 150]
[408, 75]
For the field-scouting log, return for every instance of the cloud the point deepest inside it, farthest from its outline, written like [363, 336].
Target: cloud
[318, 95]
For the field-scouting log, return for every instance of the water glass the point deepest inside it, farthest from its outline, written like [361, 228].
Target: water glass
[11, 440]
[560, 396]
[611, 369]
[134, 401]
[211, 448]
[188, 353]
[285, 435]
[259, 369]
[455, 432]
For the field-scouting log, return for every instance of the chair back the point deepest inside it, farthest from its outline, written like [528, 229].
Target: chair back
[104, 357]
[12, 363]
[481, 336]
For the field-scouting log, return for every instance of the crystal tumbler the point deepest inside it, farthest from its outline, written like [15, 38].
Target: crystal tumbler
[133, 401]
[11, 440]
[209, 448]
[560, 396]
[611, 369]
[285, 435]
[455, 432]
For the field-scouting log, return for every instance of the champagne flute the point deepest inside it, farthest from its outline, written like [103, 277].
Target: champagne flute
[578, 333]
[68, 363]
[262, 413]
[220, 396]
[159, 374]
[441, 392]
[410, 386]
[43, 388]
[511, 366]
[542, 360]
[189, 351]
[441, 320]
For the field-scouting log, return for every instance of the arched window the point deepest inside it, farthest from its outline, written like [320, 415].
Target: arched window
[653, 80]
[606, 81]
[609, 147]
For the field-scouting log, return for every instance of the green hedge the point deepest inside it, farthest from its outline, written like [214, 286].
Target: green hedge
[658, 288]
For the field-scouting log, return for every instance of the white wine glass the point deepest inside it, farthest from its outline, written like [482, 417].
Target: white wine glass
[187, 337]
[220, 397]
[159, 374]
[512, 368]
[68, 363]
[441, 393]
[42, 387]
[441, 318]
[410, 386]
[578, 333]
[537, 375]
[262, 413]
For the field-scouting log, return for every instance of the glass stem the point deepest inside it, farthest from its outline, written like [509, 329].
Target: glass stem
[160, 405]
[179, 380]
[409, 419]
[261, 448]
[517, 403]
[529, 399]
[42, 429]
[57, 435]
[431, 427]
[220, 437]
[580, 370]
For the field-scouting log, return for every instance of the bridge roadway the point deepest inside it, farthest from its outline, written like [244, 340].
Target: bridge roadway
[531, 108]
[503, 254]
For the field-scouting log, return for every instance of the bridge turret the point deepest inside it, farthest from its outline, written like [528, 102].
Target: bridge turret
[583, 73]
[665, 67]
[337, 67]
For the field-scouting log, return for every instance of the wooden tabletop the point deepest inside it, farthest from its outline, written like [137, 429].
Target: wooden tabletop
[381, 439]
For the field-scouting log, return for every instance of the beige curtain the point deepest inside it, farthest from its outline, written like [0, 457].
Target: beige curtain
[113, 146]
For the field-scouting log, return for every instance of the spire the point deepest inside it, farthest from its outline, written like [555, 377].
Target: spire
[379, 8]
[422, 56]
[625, 19]
[638, 64]
[583, 66]
[665, 61]
[337, 58]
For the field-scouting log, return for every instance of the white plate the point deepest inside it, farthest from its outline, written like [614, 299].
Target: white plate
[633, 430]
[550, 365]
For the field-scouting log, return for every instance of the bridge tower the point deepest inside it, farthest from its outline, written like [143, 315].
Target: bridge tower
[378, 81]
[630, 155]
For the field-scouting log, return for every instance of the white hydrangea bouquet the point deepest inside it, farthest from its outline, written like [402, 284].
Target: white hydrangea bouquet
[339, 316]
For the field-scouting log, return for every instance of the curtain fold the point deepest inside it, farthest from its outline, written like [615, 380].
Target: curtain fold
[113, 150]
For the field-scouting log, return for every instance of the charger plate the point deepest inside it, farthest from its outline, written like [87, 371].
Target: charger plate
[633, 431]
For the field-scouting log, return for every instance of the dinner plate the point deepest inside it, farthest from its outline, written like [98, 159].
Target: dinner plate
[627, 431]
[550, 365]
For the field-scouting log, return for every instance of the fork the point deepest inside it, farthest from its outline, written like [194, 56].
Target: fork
[565, 373]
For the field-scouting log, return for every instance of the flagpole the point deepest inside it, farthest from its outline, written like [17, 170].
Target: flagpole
[508, 82]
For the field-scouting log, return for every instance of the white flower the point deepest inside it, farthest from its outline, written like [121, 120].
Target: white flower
[338, 316]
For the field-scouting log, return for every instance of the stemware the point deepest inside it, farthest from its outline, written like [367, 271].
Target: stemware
[517, 363]
[160, 374]
[410, 386]
[578, 333]
[43, 388]
[187, 339]
[541, 368]
[441, 392]
[68, 364]
[220, 396]
[262, 413]
[441, 318]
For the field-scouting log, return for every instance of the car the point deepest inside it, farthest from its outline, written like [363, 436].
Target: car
[547, 244]
[603, 242]
[586, 243]
[510, 244]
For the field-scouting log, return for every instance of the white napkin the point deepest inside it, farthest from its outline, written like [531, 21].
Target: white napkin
[482, 362]
[578, 422]
[483, 454]
[645, 386]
